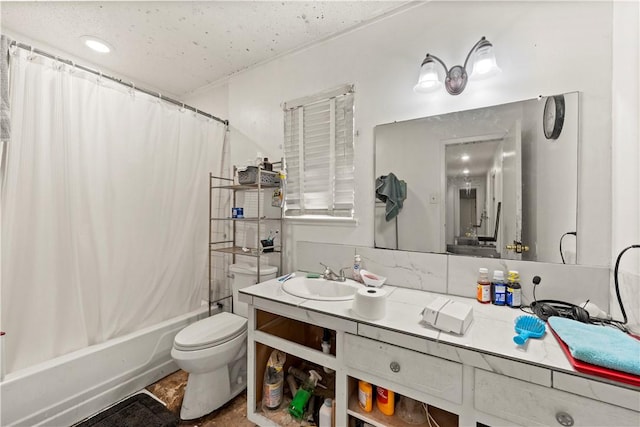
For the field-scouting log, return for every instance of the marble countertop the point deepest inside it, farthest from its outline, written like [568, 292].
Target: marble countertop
[491, 331]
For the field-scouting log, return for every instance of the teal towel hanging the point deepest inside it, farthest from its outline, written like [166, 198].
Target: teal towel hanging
[393, 192]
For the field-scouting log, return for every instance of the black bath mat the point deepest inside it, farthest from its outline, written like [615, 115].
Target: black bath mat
[140, 410]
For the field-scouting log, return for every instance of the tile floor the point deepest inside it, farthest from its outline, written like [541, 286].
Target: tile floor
[170, 390]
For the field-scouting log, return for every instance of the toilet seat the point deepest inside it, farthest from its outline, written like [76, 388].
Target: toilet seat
[210, 332]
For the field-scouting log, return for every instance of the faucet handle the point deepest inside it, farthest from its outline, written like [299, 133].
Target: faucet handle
[327, 271]
[329, 274]
[326, 268]
[342, 276]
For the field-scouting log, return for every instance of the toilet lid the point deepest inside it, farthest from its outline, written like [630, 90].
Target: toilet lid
[210, 332]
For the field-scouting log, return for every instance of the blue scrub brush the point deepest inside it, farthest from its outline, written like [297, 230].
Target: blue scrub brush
[528, 327]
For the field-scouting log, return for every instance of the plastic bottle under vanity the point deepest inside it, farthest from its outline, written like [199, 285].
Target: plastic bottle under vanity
[498, 288]
[357, 261]
[325, 414]
[483, 287]
[514, 290]
[365, 396]
[273, 380]
[385, 400]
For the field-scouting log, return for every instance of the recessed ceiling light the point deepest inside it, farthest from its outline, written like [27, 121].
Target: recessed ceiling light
[464, 157]
[466, 171]
[96, 44]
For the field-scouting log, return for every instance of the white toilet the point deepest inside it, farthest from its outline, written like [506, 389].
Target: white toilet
[214, 350]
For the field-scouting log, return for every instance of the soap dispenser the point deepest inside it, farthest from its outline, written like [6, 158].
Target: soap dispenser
[356, 268]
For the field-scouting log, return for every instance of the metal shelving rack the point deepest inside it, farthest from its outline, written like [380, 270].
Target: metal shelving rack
[231, 246]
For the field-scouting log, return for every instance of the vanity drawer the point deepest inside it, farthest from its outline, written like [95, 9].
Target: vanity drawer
[531, 404]
[418, 371]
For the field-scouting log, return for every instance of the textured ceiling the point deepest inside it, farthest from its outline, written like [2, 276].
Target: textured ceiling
[178, 47]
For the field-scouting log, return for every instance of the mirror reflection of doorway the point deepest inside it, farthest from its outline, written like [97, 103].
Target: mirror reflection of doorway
[469, 163]
[468, 209]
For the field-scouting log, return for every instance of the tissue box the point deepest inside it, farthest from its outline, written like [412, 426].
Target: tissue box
[447, 315]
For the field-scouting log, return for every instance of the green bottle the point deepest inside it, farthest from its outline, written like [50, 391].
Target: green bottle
[300, 400]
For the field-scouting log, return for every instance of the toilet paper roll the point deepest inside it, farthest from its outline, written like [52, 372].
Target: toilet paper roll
[370, 303]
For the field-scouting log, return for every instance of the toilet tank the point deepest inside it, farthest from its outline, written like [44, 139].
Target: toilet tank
[244, 275]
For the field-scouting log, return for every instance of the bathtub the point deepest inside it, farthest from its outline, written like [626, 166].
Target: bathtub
[69, 388]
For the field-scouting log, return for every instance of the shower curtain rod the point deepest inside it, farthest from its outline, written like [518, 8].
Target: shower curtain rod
[116, 80]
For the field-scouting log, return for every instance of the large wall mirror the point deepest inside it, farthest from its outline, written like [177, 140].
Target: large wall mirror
[496, 182]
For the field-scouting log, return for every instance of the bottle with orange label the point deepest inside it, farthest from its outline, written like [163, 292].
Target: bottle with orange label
[483, 288]
[365, 396]
[385, 400]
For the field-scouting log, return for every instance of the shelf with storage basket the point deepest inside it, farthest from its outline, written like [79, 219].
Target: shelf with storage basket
[249, 227]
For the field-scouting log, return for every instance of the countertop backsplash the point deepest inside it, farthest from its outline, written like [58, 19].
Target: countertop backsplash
[457, 275]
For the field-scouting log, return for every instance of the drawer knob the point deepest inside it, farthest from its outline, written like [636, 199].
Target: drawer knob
[564, 419]
[395, 366]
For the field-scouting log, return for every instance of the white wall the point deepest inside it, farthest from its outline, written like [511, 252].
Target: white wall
[560, 158]
[626, 153]
[211, 99]
[542, 48]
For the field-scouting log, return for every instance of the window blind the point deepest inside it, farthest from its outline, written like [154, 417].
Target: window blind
[319, 159]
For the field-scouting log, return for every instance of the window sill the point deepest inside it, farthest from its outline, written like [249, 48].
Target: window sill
[321, 220]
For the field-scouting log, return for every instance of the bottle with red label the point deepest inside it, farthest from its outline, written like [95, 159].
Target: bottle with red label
[385, 400]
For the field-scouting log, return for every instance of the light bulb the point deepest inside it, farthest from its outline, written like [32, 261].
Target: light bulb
[429, 79]
[96, 44]
[484, 64]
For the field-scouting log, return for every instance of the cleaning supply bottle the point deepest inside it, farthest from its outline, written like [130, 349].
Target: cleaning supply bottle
[365, 396]
[356, 268]
[514, 290]
[499, 289]
[299, 402]
[483, 288]
[385, 400]
[325, 414]
[273, 380]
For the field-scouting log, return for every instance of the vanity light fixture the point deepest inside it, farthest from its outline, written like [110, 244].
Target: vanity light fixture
[484, 65]
[96, 44]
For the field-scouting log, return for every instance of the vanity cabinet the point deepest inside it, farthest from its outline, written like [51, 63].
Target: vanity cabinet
[460, 384]
[429, 376]
[524, 403]
[407, 373]
[299, 335]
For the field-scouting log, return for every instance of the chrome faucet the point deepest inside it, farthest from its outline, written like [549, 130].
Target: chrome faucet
[329, 274]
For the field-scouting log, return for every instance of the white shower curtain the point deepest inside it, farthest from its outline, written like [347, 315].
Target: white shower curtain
[104, 210]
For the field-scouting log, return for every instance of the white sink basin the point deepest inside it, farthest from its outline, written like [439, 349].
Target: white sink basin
[321, 289]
